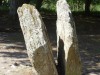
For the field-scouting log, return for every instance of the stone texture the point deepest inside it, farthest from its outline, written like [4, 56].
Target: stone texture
[36, 40]
[69, 62]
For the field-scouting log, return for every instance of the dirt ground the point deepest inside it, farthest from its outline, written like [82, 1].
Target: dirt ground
[14, 59]
[13, 54]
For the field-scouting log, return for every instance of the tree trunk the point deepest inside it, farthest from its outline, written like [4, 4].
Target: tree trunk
[13, 7]
[39, 4]
[87, 6]
[36, 40]
[14, 4]
[0, 2]
[27, 1]
[68, 55]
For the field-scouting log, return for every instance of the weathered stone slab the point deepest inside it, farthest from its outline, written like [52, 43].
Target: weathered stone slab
[36, 40]
[68, 56]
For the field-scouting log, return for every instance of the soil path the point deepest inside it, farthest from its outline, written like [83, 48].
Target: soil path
[13, 54]
[14, 59]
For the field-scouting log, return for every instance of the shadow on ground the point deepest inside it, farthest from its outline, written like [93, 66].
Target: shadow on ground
[89, 46]
[12, 43]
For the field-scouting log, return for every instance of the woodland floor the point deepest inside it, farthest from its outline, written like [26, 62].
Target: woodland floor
[13, 56]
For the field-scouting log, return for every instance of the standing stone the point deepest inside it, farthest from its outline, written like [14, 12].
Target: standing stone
[69, 61]
[36, 40]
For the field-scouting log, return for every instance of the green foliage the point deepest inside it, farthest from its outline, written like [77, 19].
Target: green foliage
[95, 7]
[5, 2]
[50, 5]
[4, 8]
[76, 5]
[95, 2]
[33, 2]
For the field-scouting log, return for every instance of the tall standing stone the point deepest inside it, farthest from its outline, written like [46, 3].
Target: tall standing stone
[69, 61]
[36, 40]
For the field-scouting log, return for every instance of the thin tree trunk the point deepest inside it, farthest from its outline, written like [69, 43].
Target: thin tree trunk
[87, 6]
[14, 4]
[27, 1]
[68, 55]
[36, 40]
[0, 2]
[13, 7]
